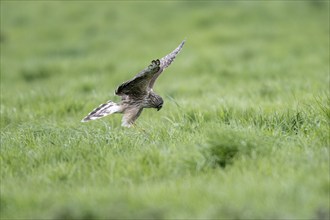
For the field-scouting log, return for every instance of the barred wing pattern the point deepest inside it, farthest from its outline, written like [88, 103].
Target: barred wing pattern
[165, 62]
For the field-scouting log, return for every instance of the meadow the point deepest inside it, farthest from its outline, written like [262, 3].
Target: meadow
[243, 133]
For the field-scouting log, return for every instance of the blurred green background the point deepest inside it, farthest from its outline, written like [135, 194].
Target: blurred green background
[243, 132]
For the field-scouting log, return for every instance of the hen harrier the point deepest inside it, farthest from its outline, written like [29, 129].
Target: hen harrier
[137, 93]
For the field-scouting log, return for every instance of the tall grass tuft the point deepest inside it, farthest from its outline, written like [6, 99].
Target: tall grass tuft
[225, 145]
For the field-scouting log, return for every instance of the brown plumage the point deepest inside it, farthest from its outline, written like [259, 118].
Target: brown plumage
[137, 93]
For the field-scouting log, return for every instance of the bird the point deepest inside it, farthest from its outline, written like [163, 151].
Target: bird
[136, 93]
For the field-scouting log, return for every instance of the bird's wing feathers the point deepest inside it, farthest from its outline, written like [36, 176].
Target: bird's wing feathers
[139, 84]
[165, 62]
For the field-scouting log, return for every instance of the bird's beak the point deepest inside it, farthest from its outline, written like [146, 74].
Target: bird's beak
[159, 108]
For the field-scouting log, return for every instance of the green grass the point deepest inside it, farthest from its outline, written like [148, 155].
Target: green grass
[244, 131]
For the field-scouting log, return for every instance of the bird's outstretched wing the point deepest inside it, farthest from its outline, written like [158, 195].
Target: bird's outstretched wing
[165, 62]
[138, 86]
[144, 81]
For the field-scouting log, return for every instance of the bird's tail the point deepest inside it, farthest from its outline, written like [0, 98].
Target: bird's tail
[103, 110]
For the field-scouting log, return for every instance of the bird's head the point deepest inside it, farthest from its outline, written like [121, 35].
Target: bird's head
[159, 107]
[156, 101]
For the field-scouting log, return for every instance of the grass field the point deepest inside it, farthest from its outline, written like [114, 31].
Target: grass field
[243, 134]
